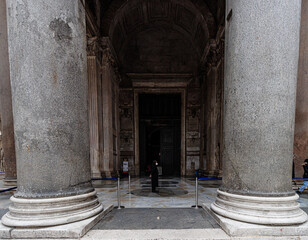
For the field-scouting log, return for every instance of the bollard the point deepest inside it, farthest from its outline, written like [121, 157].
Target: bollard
[128, 183]
[196, 193]
[119, 200]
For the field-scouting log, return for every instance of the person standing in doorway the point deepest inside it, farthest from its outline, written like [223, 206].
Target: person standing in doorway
[302, 188]
[154, 175]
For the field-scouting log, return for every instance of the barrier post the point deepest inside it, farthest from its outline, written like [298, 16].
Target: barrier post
[128, 183]
[196, 193]
[119, 200]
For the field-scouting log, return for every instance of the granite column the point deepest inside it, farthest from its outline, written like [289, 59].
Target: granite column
[301, 117]
[6, 111]
[262, 45]
[47, 49]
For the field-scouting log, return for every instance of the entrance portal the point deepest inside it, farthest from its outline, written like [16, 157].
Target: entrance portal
[160, 132]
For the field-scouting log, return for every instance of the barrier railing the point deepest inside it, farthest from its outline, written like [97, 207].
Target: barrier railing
[128, 183]
[8, 189]
[196, 206]
[203, 179]
[118, 188]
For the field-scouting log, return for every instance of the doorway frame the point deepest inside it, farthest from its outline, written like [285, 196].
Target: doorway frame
[160, 90]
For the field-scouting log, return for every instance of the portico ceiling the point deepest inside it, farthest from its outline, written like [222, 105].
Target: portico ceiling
[141, 30]
[191, 20]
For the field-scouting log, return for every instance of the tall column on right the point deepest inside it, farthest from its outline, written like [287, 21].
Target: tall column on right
[261, 54]
[301, 117]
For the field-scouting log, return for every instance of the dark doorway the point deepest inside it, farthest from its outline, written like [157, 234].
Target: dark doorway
[160, 132]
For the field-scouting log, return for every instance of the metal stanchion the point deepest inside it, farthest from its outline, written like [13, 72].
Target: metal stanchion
[119, 197]
[196, 193]
[128, 183]
[196, 206]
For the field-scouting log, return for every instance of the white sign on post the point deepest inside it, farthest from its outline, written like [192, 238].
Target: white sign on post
[125, 166]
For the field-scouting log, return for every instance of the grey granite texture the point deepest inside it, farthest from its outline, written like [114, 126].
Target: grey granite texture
[262, 43]
[6, 112]
[47, 49]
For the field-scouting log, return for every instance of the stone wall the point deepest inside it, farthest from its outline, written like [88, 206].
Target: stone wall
[193, 127]
[126, 105]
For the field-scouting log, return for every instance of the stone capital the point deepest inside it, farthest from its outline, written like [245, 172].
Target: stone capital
[109, 56]
[93, 46]
[215, 54]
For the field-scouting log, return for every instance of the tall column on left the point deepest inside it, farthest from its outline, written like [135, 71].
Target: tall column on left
[47, 49]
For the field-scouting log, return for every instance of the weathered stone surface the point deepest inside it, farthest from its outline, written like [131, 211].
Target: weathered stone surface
[47, 50]
[241, 229]
[48, 71]
[6, 112]
[72, 231]
[301, 117]
[260, 85]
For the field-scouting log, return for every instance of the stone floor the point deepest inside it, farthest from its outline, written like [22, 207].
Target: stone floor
[157, 218]
[172, 193]
[171, 204]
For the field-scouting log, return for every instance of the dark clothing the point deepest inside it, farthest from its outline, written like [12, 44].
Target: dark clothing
[154, 178]
[305, 171]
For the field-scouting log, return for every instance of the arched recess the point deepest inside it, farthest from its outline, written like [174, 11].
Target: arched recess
[123, 21]
[146, 36]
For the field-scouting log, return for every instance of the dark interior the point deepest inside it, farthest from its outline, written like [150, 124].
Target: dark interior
[160, 132]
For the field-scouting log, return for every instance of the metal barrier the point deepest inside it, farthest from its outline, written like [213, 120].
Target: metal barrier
[119, 195]
[118, 188]
[128, 183]
[9, 189]
[196, 206]
[112, 179]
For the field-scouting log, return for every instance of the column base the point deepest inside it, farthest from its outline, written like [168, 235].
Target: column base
[109, 174]
[51, 211]
[71, 230]
[211, 173]
[96, 175]
[236, 228]
[281, 211]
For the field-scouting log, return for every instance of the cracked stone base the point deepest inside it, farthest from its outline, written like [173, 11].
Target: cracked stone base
[240, 229]
[71, 230]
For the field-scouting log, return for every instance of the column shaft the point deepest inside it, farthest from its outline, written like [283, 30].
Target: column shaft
[93, 116]
[6, 111]
[262, 39]
[47, 49]
[301, 117]
[107, 119]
